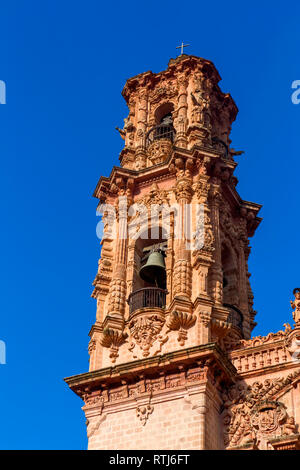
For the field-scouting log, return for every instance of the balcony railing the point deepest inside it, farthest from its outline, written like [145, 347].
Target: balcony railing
[235, 318]
[147, 297]
[162, 131]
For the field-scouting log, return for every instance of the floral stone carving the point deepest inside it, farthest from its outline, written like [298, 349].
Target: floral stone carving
[181, 321]
[113, 339]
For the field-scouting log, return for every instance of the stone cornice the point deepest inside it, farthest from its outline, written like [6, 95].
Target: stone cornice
[153, 171]
[154, 364]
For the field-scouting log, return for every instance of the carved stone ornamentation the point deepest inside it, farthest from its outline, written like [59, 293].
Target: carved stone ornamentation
[292, 343]
[159, 151]
[117, 296]
[140, 161]
[184, 190]
[112, 339]
[201, 188]
[204, 227]
[205, 318]
[92, 346]
[155, 196]
[261, 340]
[165, 91]
[181, 321]
[296, 305]
[251, 413]
[144, 330]
[143, 413]
[182, 277]
[266, 420]
[93, 424]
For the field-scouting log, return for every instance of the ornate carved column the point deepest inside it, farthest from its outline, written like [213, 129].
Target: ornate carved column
[141, 157]
[169, 261]
[216, 270]
[112, 328]
[182, 255]
[117, 291]
[181, 140]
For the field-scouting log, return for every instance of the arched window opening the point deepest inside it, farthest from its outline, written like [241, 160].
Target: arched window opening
[149, 282]
[164, 125]
[163, 111]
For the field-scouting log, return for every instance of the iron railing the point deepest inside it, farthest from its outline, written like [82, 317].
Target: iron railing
[147, 297]
[235, 317]
[162, 131]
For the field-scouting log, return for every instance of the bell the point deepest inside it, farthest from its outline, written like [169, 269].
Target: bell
[154, 271]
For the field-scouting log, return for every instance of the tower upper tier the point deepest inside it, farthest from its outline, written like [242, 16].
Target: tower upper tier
[182, 106]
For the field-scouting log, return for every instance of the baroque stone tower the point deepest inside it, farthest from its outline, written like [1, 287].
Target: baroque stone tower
[172, 362]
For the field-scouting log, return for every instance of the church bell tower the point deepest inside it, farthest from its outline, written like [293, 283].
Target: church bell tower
[172, 288]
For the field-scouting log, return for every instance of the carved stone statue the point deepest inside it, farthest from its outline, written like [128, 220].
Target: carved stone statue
[296, 305]
[127, 133]
[289, 427]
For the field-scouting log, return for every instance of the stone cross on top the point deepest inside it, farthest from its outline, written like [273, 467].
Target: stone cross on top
[181, 47]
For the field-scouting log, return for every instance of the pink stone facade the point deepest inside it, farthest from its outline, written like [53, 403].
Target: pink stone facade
[174, 366]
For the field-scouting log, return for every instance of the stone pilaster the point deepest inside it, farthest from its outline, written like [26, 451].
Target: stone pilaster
[216, 270]
[182, 254]
[141, 156]
[117, 291]
[244, 305]
[181, 140]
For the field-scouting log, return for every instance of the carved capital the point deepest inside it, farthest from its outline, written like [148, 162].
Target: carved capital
[183, 190]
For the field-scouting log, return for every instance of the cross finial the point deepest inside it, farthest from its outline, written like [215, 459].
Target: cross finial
[181, 47]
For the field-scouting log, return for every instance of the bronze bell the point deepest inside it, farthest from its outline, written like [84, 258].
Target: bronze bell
[154, 271]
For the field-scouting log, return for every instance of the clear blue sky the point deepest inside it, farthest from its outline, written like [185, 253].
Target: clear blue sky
[65, 64]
